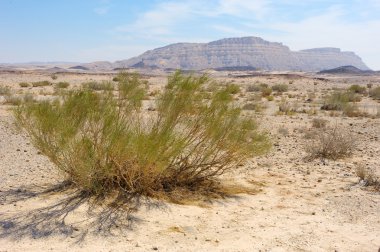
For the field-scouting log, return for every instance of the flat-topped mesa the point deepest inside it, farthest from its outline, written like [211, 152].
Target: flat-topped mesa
[249, 52]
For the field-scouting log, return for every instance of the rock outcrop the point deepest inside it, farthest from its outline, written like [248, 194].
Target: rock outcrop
[246, 52]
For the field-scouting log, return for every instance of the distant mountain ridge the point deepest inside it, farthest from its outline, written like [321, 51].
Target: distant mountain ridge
[245, 52]
[348, 70]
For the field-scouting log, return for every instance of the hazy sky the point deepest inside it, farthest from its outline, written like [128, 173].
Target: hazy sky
[89, 30]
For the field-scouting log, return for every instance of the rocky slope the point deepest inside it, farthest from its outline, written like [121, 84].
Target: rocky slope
[251, 52]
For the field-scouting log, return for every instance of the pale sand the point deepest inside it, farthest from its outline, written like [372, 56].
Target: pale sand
[302, 206]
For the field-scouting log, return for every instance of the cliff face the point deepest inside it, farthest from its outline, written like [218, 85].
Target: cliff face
[250, 52]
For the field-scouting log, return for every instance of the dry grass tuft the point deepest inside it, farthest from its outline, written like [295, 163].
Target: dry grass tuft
[331, 143]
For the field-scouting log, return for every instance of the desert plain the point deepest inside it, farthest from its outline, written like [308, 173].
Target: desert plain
[299, 204]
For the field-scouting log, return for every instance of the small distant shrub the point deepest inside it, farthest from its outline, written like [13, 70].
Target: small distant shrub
[233, 88]
[266, 92]
[357, 89]
[287, 108]
[375, 93]
[99, 86]
[280, 88]
[367, 176]
[41, 83]
[23, 84]
[339, 100]
[106, 143]
[352, 110]
[54, 77]
[62, 84]
[331, 143]
[319, 123]
[5, 90]
[258, 87]
[270, 98]
[115, 79]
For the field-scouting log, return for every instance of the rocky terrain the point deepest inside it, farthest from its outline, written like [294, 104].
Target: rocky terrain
[246, 52]
[300, 204]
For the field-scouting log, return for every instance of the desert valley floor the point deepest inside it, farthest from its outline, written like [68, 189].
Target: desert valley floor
[299, 205]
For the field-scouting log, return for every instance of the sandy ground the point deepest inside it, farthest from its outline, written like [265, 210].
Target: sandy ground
[300, 205]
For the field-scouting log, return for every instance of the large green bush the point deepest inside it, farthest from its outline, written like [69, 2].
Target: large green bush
[105, 141]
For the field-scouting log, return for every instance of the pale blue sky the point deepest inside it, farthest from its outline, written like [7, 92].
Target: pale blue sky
[90, 30]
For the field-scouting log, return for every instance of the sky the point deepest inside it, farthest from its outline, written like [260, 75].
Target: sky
[92, 30]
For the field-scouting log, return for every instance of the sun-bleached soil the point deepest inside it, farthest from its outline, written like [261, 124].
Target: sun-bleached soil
[300, 205]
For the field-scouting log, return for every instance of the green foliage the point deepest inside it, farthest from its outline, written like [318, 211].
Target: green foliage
[41, 83]
[104, 142]
[280, 88]
[99, 86]
[375, 93]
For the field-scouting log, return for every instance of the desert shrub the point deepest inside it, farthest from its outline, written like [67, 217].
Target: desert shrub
[257, 87]
[53, 76]
[270, 98]
[339, 100]
[98, 86]
[23, 84]
[104, 142]
[357, 89]
[62, 84]
[287, 108]
[5, 90]
[319, 123]
[367, 176]
[331, 143]
[41, 83]
[115, 79]
[233, 88]
[375, 93]
[352, 110]
[266, 92]
[280, 88]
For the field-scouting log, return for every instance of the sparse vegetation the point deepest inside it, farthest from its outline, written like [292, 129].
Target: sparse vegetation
[54, 77]
[5, 90]
[375, 93]
[99, 86]
[367, 176]
[104, 143]
[41, 83]
[280, 88]
[233, 88]
[340, 100]
[357, 89]
[319, 123]
[266, 92]
[62, 84]
[24, 84]
[331, 143]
